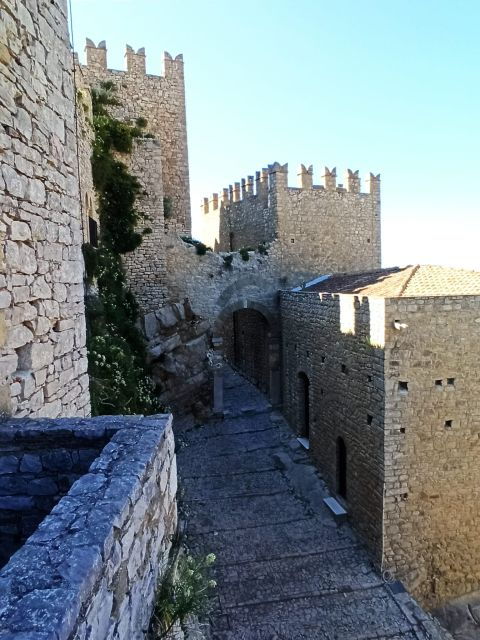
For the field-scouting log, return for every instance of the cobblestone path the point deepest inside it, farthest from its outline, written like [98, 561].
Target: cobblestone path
[285, 570]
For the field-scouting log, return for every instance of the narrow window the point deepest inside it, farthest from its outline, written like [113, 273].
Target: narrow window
[322, 359]
[369, 419]
[451, 382]
[93, 231]
[341, 468]
[344, 369]
[292, 240]
[402, 429]
[448, 424]
[403, 386]
[369, 378]
[438, 383]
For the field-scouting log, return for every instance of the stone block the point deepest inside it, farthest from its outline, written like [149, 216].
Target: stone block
[8, 365]
[8, 464]
[166, 317]
[35, 356]
[30, 463]
[18, 336]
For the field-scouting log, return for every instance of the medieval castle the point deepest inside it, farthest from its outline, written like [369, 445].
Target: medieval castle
[375, 369]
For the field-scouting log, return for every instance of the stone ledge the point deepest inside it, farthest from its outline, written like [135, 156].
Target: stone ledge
[109, 535]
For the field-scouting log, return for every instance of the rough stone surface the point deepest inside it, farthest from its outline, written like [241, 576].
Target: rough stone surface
[284, 568]
[393, 379]
[40, 221]
[90, 568]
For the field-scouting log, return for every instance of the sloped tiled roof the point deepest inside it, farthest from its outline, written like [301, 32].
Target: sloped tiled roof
[417, 280]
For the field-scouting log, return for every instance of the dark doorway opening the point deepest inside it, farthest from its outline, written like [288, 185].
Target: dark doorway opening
[249, 347]
[341, 468]
[303, 405]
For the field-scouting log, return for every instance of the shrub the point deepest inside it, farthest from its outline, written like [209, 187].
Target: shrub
[184, 591]
[119, 380]
[200, 247]
[228, 259]
[141, 123]
[244, 253]
[263, 249]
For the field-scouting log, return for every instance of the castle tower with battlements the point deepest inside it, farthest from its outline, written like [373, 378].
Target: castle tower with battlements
[161, 101]
[318, 228]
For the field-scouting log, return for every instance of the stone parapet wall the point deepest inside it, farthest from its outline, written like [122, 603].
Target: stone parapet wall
[43, 360]
[432, 445]
[39, 461]
[91, 568]
[327, 339]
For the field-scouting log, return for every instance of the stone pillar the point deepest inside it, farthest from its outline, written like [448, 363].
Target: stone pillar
[274, 366]
[217, 364]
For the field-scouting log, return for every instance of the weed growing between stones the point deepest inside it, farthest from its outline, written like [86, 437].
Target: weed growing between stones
[228, 259]
[184, 591]
[244, 253]
[199, 246]
[119, 381]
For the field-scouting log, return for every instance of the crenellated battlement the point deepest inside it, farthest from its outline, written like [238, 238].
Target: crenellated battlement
[135, 61]
[276, 175]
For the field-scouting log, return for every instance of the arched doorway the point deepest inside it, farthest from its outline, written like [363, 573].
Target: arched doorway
[341, 468]
[249, 346]
[303, 398]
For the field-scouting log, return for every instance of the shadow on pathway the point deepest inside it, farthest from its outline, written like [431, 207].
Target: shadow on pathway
[284, 569]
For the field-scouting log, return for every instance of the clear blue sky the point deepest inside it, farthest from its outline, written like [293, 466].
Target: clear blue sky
[389, 86]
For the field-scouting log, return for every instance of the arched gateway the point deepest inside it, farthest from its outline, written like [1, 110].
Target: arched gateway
[250, 337]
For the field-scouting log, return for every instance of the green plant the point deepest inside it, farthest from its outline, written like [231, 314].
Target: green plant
[141, 123]
[184, 591]
[263, 249]
[200, 247]
[244, 253]
[119, 379]
[228, 259]
[167, 207]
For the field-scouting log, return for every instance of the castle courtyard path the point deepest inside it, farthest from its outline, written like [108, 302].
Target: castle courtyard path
[285, 570]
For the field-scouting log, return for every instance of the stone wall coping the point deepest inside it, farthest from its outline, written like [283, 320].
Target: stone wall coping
[45, 582]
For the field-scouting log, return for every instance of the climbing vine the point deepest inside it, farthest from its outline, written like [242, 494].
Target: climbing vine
[119, 380]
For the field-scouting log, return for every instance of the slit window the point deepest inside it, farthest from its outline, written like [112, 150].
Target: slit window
[322, 359]
[369, 419]
[451, 382]
[403, 386]
[438, 383]
[344, 369]
[448, 424]
[93, 231]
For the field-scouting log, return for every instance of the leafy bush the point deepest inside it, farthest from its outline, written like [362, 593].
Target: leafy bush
[141, 123]
[199, 246]
[244, 253]
[184, 591]
[228, 259]
[262, 249]
[119, 380]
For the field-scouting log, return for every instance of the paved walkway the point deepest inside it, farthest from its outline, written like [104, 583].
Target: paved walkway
[285, 570]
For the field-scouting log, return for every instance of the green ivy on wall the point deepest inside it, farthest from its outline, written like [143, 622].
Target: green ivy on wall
[119, 380]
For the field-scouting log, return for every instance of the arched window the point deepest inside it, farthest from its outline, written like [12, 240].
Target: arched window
[303, 405]
[341, 468]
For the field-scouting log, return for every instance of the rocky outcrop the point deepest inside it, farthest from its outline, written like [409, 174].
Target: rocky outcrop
[178, 342]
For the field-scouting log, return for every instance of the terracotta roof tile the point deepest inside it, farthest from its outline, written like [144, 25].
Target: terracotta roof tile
[417, 280]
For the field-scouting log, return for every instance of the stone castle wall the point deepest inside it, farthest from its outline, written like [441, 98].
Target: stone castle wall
[329, 341]
[43, 360]
[311, 229]
[91, 568]
[146, 265]
[432, 445]
[161, 101]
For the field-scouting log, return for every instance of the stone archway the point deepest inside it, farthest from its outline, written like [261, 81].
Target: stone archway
[250, 337]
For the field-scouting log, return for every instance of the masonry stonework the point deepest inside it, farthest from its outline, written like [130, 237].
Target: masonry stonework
[394, 378]
[321, 229]
[43, 361]
[161, 101]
